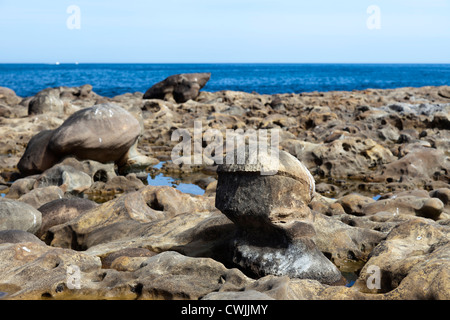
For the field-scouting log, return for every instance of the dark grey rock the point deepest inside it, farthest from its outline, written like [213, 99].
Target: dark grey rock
[251, 199]
[298, 259]
[180, 87]
[273, 218]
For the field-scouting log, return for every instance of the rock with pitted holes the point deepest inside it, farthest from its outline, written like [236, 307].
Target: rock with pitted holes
[411, 263]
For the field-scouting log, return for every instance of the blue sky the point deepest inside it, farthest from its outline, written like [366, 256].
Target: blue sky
[208, 31]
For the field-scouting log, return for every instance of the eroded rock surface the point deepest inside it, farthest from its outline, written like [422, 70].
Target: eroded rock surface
[370, 199]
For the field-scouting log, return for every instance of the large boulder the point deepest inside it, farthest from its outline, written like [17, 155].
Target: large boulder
[272, 214]
[251, 198]
[300, 258]
[347, 240]
[353, 203]
[102, 133]
[170, 274]
[442, 194]
[20, 187]
[180, 87]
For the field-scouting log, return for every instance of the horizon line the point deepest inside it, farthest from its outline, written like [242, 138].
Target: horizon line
[204, 63]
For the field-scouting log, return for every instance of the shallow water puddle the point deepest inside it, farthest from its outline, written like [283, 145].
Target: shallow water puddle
[350, 270]
[166, 180]
[350, 278]
[155, 179]
[161, 180]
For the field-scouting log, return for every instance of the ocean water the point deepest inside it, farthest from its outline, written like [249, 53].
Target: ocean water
[113, 79]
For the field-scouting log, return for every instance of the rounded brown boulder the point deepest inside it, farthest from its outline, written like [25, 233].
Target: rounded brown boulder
[103, 133]
[37, 157]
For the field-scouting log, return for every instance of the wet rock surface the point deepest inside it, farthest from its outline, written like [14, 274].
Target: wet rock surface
[363, 192]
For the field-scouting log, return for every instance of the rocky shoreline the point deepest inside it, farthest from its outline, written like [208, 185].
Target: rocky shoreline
[377, 207]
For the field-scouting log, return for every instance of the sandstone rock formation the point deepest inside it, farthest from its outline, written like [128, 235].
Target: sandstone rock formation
[379, 214]
[273, 218]
[104, 133]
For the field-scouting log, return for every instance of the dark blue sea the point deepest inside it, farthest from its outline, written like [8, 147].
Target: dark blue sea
[113, 79]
